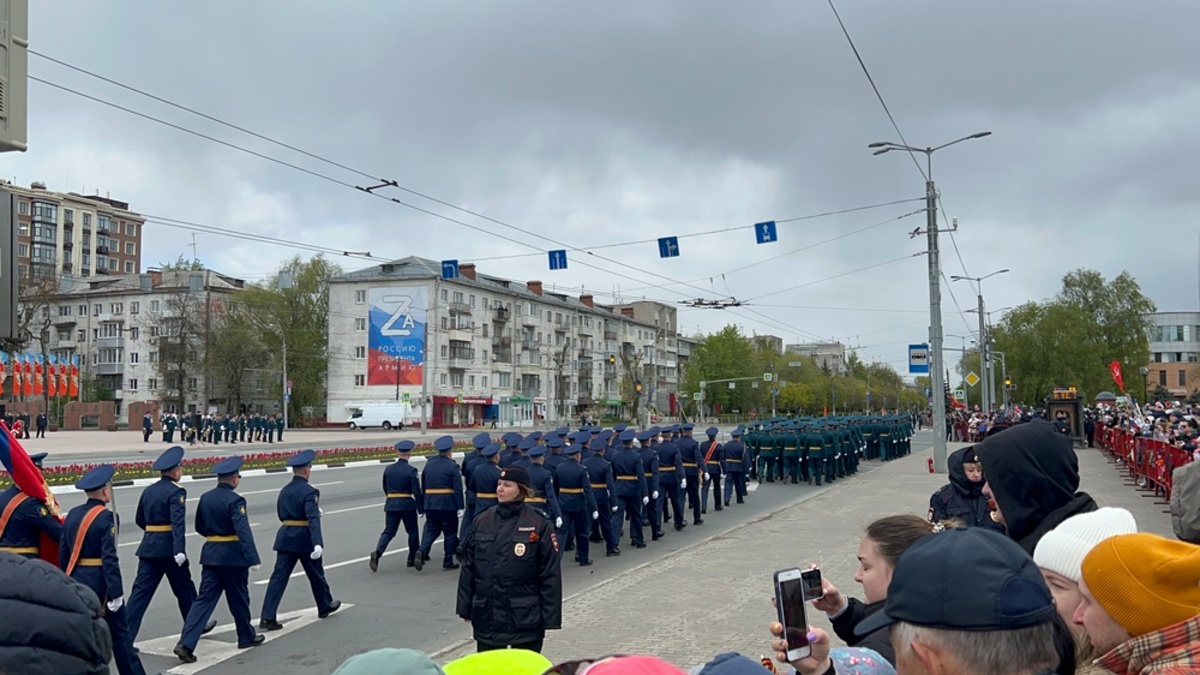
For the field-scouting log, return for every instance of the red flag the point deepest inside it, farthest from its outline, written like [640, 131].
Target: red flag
[51, 381]
[37, 378]
[28, 478]
[1115, 367]
[16, 376]
[62, 379]
[74, 390]
[27, 377]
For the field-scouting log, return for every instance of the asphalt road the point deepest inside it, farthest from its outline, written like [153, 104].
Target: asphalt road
[396, 607]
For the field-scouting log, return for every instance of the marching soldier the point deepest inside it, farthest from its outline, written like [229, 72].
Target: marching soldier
[298, 539]
[470, 461]
[402, 490]
[162, 515]
[541, 480]
[88, 554]
[556, 456]
[485, 477]
[671, 479]
[576, 499]
[603, 489]
[735, 467]
[279, 427]
[792, 469]
[712, 470]
[511, 453]
[631, 489]
[24, 519]
[650, 469]
[226, 559]
[441, 483]
[693, 466]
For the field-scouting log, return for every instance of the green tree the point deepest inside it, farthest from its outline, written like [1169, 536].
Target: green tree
[182, 264]
[725, 354]
[235, 355]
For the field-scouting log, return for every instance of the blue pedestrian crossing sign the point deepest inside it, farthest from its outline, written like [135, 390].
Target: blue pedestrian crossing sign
[668, 247]
[558, 259]
[764, 233]
[449, 269]
[918, 359]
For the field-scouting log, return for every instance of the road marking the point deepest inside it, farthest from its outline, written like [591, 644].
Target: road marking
[354, 508]
[263, 492]
[210, 652]
[354, 561]
[189, 534]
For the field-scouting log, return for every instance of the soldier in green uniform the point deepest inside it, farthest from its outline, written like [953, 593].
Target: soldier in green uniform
[279, 427]
[750, 438]
[169, 425]
[885, 439]
[816, 453]
[788, 445]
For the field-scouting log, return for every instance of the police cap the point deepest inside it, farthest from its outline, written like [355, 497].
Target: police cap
[688, 427]
[535, 436]
[573, 450]
[405, 446]
[555, 442]
[537, 451]
[526, 444]
[619, 427]
[166, 461]
[96, 478]
[37, 458]
[596, 445]
[737, 433]
[712, 432]
[490, 450]
[645, 436]
[627, 436]
[481, 440]
[444, 444]
[516, 475]
[228, 466]
[302, 458]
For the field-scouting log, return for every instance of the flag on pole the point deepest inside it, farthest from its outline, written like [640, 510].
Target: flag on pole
[3, 373]
[16, 375]
[27, 376]
[1115, 367]
[52, 377]
[63, 378]
[38, 374]
[28, 478]
[74, 390]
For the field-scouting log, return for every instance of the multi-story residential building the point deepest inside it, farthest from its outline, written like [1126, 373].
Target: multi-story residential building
[484, 347]
[71, 234]
[660, 364]
[141, 337]
[830, 356]
[1174, 352]
[771, 343]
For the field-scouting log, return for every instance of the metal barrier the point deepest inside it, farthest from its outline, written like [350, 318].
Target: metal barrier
[1149, 463]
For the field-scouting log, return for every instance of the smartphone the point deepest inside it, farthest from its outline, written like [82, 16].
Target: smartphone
[789, 599]
[812, 584]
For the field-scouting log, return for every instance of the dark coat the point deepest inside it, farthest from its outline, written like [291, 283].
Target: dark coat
[60, 629]
[855, 612]
[961, 499]
[510, 585]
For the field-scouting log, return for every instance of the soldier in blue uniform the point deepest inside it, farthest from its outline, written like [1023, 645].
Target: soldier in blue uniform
[27, 520]
[521, 456]
[630, 491]
[693, 468]
[670, 480]
[88, 554]
[577, 501]
[650, 470]
[441, 483]
[162, 515]
[226, 559]
[736, 459]
[485, 477]
[469, 462]
[298, 540]
[510, 454]
[603, 489]
[556, 456]
[712, 455]
[403, 501]
[541, 480]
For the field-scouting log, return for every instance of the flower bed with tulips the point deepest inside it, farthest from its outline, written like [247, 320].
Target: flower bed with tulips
[67, 474]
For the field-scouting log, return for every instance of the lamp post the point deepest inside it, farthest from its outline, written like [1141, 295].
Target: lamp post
[1145, 383]
[935, 290]
[984, 359]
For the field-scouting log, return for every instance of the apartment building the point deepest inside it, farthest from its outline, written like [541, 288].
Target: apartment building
[487, 348]
[123, 326]
[830, 356]
[1174, 352]
[72, 234]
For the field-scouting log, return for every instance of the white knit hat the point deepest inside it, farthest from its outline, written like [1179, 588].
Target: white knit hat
[1063, 549]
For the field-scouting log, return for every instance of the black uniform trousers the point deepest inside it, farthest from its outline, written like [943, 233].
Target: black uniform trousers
[467, 519]
[149, 574]
[735, 486]
[575, 524]
[234, 584]
[604, 524]
[285, 562]
[445, 523]
[394, 519]
[671, 491]
[633, 506]
[693, 495]
[713, 481]
[127, 660]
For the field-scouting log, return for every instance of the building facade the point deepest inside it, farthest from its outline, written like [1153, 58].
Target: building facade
[486, 348]
[1174, 353]
[71, 234]
[829, 356]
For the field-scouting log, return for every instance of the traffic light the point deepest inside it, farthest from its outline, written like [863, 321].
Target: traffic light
[612, 360]
[637, 386]
[1008, 382]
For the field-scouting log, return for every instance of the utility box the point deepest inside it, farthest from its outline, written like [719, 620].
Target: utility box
[1067, 400]
[14, 75]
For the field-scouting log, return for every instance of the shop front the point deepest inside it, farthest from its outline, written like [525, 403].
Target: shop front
[459, 411]
[516, 411]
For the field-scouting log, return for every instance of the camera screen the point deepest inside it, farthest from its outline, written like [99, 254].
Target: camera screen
[791, 595]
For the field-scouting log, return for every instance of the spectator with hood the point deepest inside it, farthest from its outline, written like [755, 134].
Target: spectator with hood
[1032, 475]
[962, 498]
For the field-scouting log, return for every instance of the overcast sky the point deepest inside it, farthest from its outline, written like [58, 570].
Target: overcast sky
[604, 123]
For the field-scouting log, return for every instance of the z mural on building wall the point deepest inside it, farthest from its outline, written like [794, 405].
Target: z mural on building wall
[396, 343]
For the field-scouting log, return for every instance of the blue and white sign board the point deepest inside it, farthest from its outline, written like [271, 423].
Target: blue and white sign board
[668, 247]
[918, 359]
[764, 233]
[558, 259]
[449, 269]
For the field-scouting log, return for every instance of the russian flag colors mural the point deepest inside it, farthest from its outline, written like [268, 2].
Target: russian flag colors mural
[396, 341]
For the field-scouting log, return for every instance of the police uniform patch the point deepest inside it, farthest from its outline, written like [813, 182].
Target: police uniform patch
[554, 541]
[519, 550]
[533, 537]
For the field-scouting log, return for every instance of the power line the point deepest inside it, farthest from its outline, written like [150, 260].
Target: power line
[836, 276]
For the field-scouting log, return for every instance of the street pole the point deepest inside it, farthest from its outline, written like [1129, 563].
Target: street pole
[985, 399]
[287, 393]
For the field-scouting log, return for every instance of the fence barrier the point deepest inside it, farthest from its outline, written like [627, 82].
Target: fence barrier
[1147, 462]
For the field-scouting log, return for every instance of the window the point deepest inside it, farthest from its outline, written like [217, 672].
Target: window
[83, 310]
[471, 300]
[456, 380]
[112, 263]
[445, 323]
[458, 297]
[130, 248]
[485, 330]
[1182, 377]
[23, 229]
[68, 215]
[360, 352]
[23, 207]
[152, 384]
[116, 307]
[483, 381]
[360, 324]
[360, 297]
[191, 383]
[131, 229]
[485, 358]
[133, 384]
[133, 358]
[87, 222]
[153, 359]
[154, 305]
[443, 379]
[154, 331]
[96, 309]
[64, 310]
[471, 381]
[445, 298]
[134, 307]
[360, 380]
[503, 380]
[444, 351]
[1162, 378]
[23, 250]
[81, 336]
[128, 267]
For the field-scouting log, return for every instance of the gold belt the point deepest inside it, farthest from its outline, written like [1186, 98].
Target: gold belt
[158, 528]
[536, 500]
[789, 447]
[19, 549]
[666, 468]
[627, 477]
[89, 562]
[734, 460]
[599, 486]
[294, 523]
[690, 464]
[399, 495]
[222, 538]
[485, 495]
[439, 491]
[571, 491]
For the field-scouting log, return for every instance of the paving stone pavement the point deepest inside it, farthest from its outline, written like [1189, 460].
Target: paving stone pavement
[716, 596]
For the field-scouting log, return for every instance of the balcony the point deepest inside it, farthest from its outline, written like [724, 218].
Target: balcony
[460, 308]
[64, 320]
[531, 346]
[562, 326]
[110, 342]
[501, 341]
[584, 367]
[460, 334]
[502, 356]
[584, 329]
[528, 320]
[585, 353]
[68, 266]
[101, 249]
[610, 335]
[109, 368]
[460, 362]
[500, 314]
[68, 245]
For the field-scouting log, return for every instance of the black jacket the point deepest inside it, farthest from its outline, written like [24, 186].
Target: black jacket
[510, 585]
[961, 498]
[845, 622]
[49, 624]
[1033, 472]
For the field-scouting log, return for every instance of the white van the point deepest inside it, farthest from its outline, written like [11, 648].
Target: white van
[385, 414]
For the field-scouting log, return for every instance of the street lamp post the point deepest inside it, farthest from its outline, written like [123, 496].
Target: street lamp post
[984, 358]
[1145, 383]
[935, 291]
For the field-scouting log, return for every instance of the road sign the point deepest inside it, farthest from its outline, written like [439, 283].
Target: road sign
[668, 247]
[774, 392]
[449, 269]
[764, 233]
[558, 259]
[795, 364]
[733, 385]
[960, 394]
[767, 377]
[972, 378]
[458, 398]
[918, 359]
[697, 396]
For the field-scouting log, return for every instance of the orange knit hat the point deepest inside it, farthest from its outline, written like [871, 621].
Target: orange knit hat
[1145, 582]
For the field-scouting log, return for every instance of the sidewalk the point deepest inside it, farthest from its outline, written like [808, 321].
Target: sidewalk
[716, 596]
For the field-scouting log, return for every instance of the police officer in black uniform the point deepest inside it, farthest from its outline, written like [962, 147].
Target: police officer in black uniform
[441, 483]
[162, 515]
[298, 539]
[88, 554]
[403, 501]
[226, 559]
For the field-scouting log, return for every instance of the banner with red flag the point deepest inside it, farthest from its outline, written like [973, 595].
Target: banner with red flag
[28, 478]
[74, 390]
[27, 376]
[52, 377]
[63, 378]
[16, 375]
[38, 374]
[1115, 367]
